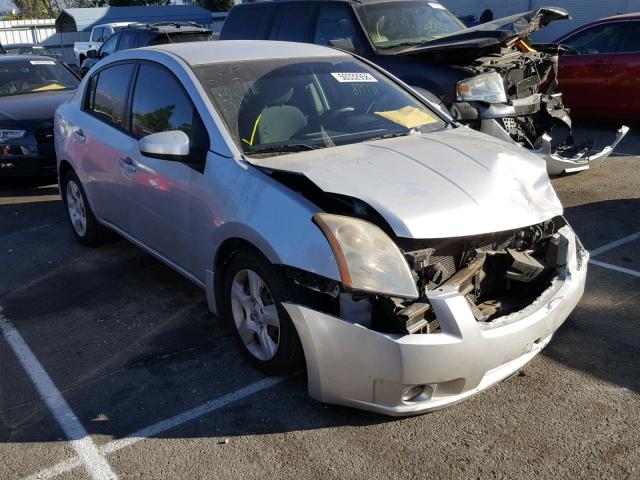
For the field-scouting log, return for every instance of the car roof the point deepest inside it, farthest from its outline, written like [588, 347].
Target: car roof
[624, 16]
[168, 27]
[613, 18]
[13, 58]
[279, 2]
[21, 45]
[221, 51]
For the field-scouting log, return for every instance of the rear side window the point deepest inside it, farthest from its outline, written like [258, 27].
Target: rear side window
[294, 24]
[245, 24]
[631, 42]
[110, 93]
[128, 40]
[181, 38]
[599, 39]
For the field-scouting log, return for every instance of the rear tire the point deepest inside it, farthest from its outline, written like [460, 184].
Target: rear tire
[253, 294]
[83, 222]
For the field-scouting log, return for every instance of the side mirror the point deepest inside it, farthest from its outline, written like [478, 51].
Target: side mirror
[345, 44]
[92, 54]
[172, 145]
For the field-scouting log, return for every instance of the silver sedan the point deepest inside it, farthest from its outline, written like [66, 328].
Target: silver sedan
[334, 217]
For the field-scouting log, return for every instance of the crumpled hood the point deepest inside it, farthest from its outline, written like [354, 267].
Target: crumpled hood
[472, 41]
[452, 183]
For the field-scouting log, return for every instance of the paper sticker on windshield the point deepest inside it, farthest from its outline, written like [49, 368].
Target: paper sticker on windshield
[356, 77]
[409, 117]
[437, 5]
[42, 62]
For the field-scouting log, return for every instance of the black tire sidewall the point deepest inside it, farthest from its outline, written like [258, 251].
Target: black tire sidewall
[289, 356]
[93, 234]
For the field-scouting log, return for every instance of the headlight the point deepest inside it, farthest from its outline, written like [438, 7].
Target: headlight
[9, 134]
[367, 258]
[487, 87]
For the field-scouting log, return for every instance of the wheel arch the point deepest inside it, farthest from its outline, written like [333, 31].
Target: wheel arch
[63, 168]
[225, 251]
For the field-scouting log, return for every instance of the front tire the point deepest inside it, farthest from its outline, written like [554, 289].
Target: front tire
[85, 227]
[253, 292]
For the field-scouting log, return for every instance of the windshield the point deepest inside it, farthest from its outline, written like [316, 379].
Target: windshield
[30, 76]
[285, 105]
[394, 24]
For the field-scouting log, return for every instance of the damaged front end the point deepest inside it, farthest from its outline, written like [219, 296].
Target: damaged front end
[511, 91]
[486, 305]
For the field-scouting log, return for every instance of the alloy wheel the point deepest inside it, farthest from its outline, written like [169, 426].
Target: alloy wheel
[76, 208]
[255, 314]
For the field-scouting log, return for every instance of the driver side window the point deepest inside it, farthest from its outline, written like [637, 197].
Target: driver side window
[336, 23]
[599, 39]
[109, 46]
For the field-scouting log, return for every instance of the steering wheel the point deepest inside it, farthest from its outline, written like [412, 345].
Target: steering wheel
[331, 115]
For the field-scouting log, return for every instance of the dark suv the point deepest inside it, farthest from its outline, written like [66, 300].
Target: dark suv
[143, 35]
[489, 77]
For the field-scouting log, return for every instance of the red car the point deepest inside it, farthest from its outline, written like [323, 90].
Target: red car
[600, 77]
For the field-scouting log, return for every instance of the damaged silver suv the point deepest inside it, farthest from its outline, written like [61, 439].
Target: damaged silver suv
[332, 217]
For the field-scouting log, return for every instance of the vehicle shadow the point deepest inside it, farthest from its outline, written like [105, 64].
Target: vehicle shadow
[604, 133]
[130, 343]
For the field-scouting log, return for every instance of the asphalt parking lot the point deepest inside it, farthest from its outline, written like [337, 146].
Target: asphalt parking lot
[124, 349]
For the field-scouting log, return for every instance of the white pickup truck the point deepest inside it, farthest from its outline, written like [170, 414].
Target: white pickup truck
[99, 34]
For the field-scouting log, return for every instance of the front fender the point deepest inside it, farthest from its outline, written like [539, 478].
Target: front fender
[247, 204]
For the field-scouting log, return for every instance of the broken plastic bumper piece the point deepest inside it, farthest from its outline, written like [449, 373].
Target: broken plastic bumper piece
[558, 164]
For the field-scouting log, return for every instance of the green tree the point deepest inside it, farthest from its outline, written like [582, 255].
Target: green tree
[35, 9]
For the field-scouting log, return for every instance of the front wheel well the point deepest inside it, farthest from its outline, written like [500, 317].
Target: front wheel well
[225, 253]
[62, 171]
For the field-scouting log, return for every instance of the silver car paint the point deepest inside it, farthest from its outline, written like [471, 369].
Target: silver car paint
[350, 365]
[446, 184]
[464, 173]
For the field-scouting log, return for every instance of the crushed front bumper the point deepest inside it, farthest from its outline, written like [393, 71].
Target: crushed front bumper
[490, 116]
[348, 364]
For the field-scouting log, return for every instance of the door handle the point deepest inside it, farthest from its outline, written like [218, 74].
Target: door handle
[128, 164]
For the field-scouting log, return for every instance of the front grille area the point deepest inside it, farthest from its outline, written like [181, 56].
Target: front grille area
[44, 137]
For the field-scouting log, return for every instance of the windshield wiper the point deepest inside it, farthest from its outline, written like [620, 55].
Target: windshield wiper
[300, 147]
[394, 135]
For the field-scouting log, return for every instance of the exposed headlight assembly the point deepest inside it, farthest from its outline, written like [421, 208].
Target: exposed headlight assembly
[367, 258]
[6, 134]
[487, 87]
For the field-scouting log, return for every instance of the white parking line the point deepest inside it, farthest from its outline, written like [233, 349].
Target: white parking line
[94, 462]
[616, 244]
[162, 426]
[628, 271]
[611, 246]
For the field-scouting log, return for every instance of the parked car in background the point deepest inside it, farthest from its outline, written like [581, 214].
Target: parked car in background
[31, 88]
[599, 76]
[488, 76]
[99, 35]
[31, 49]
[143, 35]
[333, 217]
